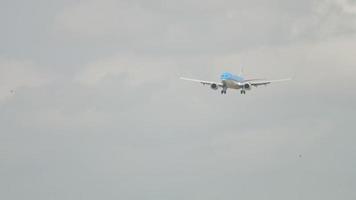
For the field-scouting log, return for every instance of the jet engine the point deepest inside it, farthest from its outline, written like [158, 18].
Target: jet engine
[214, 86]
[247, 86]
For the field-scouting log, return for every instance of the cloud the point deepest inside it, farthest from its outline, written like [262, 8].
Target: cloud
[133, 69]
[99, 110]
[106, 18]
[347, 6]
[15, 75]
[196, 27]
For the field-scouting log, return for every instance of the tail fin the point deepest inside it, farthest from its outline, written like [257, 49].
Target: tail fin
[241, 71]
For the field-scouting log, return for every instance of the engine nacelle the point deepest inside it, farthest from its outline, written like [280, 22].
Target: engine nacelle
[247, 86]
[214, 86]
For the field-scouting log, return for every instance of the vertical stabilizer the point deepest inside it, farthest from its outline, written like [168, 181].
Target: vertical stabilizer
[241, 72]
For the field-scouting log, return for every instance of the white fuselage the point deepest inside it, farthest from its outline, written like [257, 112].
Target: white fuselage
[231, 84]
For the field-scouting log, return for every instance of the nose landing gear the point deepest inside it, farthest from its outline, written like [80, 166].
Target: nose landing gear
[243, 92]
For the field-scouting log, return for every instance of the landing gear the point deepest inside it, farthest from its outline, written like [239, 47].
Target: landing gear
[223, 91]
[243, 92]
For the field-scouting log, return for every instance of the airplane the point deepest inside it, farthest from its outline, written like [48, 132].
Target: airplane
[238, 82]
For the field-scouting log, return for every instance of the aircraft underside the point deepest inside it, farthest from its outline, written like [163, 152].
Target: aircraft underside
[229, 84]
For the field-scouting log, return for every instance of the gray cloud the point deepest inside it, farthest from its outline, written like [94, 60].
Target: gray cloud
[99, 111]
[216, 27]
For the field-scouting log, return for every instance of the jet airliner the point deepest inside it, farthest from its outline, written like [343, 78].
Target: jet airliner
[231, 81]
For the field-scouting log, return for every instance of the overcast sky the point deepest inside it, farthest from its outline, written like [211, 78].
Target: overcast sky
[91, 106]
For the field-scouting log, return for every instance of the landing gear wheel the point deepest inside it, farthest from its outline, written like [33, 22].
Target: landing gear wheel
[243, 92]
[223, 91]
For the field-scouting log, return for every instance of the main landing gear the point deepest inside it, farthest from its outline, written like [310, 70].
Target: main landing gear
[243, 92]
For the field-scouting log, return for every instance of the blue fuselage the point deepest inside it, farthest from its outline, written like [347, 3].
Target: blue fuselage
[231, 81]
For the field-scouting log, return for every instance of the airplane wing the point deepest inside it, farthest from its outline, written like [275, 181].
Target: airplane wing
[258, 82]
[202, 82]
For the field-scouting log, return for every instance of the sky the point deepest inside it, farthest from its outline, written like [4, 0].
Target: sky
[91, 105]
